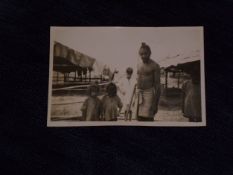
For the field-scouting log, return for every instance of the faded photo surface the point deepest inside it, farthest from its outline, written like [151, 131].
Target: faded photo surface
[139, 76]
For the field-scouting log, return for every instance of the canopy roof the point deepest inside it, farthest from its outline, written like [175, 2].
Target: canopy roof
[64, 55]
[180, 59]
[173, 68]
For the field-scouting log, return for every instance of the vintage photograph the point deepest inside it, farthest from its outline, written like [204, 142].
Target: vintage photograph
[134, 76]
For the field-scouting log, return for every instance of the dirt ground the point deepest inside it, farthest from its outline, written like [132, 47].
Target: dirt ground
[170, 110]
[68, 107]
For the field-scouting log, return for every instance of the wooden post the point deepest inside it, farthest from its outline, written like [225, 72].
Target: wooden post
[81, 76]
[166, 76]
[57, 77]
[75, 75]
[178, 79]
[89, 75]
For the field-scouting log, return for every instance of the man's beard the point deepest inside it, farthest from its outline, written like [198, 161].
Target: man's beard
[145, 60]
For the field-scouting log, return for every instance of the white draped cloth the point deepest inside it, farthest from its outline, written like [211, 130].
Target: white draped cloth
[125, 89]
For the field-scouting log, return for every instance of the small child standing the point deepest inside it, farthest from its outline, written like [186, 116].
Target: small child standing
[111, 104]
[91, 108]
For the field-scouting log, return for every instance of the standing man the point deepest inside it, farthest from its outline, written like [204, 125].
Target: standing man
[148, 85]
[125, 87]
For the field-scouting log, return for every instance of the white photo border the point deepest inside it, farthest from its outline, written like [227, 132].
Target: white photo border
[122, 122]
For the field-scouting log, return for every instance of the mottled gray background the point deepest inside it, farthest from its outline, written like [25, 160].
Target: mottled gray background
[27, 146]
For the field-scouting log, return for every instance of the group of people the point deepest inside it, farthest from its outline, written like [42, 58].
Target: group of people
[142, 92]
[106, 109]
[146, 88]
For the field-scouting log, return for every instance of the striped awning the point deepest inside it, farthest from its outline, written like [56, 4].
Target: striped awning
[67, 56]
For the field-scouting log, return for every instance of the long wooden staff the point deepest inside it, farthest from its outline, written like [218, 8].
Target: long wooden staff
[130, 104]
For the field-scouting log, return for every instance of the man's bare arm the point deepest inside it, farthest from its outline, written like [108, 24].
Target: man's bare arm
[157, 78]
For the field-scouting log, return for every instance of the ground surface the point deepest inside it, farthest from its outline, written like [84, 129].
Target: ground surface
[67, 107]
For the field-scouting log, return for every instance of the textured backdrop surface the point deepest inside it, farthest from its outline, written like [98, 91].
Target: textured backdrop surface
[27, 146]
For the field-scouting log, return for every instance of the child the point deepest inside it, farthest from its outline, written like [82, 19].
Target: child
[111, 104]
[91, 108]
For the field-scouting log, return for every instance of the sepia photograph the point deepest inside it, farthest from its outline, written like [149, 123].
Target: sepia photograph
[127, 76]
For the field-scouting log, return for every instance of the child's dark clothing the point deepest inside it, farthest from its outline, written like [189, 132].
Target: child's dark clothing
[110, 107]
[91, 109]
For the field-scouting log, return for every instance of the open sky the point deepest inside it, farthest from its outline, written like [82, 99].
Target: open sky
[118, 46]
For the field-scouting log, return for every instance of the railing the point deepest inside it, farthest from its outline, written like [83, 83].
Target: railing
[73, 79]
[79, 87]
